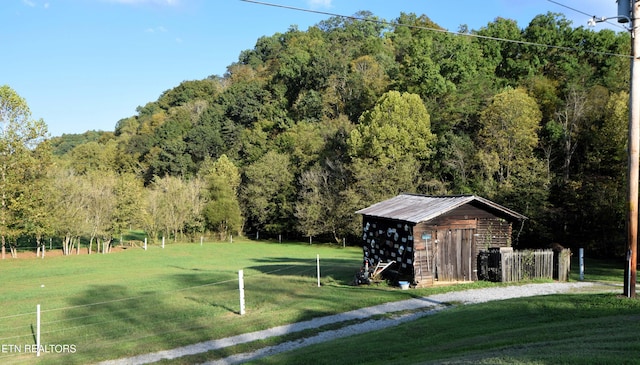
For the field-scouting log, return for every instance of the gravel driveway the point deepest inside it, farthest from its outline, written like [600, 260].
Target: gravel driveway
[416, 308]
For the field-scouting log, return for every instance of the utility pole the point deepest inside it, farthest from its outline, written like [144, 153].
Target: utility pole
[634, 148]
[628, 11]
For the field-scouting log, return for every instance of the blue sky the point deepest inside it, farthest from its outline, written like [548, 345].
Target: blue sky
[85, 64]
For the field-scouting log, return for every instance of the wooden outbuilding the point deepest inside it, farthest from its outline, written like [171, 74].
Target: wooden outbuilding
[434, 238]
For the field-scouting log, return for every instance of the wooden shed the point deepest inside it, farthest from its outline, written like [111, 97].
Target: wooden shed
[434, 238]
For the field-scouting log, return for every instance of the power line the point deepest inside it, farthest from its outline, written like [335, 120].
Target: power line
[439, 30]
[583, 13]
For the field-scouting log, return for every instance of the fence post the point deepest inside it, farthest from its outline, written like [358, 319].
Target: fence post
[145, 243]
[162, 241]
[581, 263]
[38, 329]
[318, 268]
[241, 287]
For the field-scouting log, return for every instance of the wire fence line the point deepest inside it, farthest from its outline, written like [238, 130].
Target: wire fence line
[31, 313]
[74, 321]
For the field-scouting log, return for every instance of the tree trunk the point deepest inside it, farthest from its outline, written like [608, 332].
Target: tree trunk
[106, 246]
[65, 244]
[72, 244]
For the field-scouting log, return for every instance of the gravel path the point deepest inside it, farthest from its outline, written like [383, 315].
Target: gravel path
[418, 307]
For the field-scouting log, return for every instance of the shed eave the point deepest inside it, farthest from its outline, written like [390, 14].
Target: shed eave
[415, 208]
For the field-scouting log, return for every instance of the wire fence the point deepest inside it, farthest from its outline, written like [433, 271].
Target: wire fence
[159, 318]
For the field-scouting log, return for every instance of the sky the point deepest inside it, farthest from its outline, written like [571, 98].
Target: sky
[85, 64]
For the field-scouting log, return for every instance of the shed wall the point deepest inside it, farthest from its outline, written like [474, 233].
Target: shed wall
[465, 231]
[387, 240]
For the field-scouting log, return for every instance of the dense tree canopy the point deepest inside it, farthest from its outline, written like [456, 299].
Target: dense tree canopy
[311, 125]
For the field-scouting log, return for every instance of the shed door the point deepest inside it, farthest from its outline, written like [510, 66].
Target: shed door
[454, 255]
[424, 258]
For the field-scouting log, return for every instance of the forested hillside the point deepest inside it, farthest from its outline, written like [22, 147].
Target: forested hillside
[311, 125]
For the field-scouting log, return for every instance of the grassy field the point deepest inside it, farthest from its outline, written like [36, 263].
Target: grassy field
[586, 328]
[134, 301]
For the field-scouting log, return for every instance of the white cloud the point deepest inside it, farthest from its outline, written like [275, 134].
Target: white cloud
[159, 29]
[319, 3]
[33, 4]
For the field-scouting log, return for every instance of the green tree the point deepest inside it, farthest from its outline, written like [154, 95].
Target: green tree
[100, 195]
[94, 156]
[222, 210]
[504, 58]
[513, 174]
[129, 194]
[35, 207]
[390, 146]
[173, 204]
[414, 45]
[509, 134]
[19, 137]
[70, 220]
[268, 193]
[325, 205]
[594, 204]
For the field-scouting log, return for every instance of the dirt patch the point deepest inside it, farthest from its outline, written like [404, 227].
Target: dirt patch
[31, 254]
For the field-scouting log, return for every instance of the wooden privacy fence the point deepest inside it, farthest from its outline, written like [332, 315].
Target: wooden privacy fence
[527, 265]
[507, 265]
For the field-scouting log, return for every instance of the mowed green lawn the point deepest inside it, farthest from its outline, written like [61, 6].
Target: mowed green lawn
[575, 328]
[134, 302]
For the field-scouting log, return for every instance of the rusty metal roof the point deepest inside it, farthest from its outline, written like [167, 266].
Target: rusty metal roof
[419, 208]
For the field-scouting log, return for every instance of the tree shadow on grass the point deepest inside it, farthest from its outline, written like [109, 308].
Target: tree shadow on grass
[110, 321]
[209, 288]
[340, 271]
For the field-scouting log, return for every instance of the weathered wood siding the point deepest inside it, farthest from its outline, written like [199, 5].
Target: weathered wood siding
[460, 235]
[450, 251]
[526, 265]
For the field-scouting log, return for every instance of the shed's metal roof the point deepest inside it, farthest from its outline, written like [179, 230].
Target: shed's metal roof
[419, 208]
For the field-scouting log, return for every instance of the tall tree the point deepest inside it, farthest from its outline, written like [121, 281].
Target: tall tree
[268, 193]
[70, 220]
[513, 174]
[390, 146]
[414, 44]
[171, 208]
[509, 134]
[19, 136]
[222, 210]
[36, 206]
